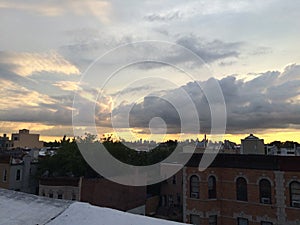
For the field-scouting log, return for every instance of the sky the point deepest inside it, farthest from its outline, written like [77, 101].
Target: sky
[53, 51]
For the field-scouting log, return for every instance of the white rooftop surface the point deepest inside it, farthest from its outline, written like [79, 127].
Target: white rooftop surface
[83, 213]
[18, 208]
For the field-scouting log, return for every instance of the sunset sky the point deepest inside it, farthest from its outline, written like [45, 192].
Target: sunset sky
[251, 47]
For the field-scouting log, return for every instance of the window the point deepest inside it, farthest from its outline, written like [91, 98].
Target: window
[50, 195]
[59, 196]
[195, 219]
[73, 197]
[170, 200]
[266, 223]
[241, 189]
[194, 187]
[265, 191]
[174, 179]
[163, 200]
[295, 194]
[242, 221]
[178, 199]
[18, 174]
[4, 175]
[212, 192]
[212, 220]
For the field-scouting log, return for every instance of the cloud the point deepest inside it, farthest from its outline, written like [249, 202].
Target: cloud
[67, 85]
[25, 64]
[204, 8]
[212, 50]
[166, 16]
[17, 96]
[271, 100]
[98, 8]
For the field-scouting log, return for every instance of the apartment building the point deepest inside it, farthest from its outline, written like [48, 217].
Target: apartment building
[243, 190]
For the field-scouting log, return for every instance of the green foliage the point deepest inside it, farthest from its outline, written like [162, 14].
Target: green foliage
[68, 160]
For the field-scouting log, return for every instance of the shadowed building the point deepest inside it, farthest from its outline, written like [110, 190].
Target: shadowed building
[243, 190]
[252, 145]
[24, 139]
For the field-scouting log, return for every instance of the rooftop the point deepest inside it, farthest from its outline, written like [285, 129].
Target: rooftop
[259, 162]
[251, 137]
[18, 208]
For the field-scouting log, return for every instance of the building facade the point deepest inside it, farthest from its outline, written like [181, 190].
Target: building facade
[5, 143]
[67, 188]
[252, 145]
[18, 173]
[24, 139]
[170, 202]
[242, 190]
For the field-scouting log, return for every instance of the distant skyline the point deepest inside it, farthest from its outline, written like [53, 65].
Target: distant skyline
[251, 47]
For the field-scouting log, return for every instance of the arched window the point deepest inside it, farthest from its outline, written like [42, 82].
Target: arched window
[241, 189]
[194, 187]
[265, 191]
[212, 191]
[295, 194]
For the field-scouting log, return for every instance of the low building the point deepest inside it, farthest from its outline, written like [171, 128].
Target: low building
[96, 191]
[105, 193]
[67, 188]
[242, 189]
[252, 145]
[17, 173]
[24, 139]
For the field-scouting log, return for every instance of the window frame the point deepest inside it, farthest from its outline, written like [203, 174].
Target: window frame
[212, 190]
[196, 216]
[240, 219]
[241, 189]
[194, 187]
[292, 200]
[265, 191]
[18, 175]
[215, 218]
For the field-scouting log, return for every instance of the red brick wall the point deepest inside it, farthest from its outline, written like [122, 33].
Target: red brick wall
[104, 193]
[226, 203]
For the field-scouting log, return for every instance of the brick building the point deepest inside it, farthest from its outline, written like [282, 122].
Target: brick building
[96, 191]
[243, 190]
[105, 193]
[170, 201]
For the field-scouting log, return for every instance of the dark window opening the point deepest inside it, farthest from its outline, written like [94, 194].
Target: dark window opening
[242, 221]
[295, 194]
[265, 191]
[194, 187]
[18, 175]
[212, 220]
[212, 191]
[241, 189]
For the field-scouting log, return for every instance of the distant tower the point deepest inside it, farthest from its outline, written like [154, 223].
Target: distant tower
[252, 145]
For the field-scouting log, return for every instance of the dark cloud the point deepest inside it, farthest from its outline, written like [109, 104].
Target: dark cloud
[171, 15]
[212, 50]
[270, 100]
